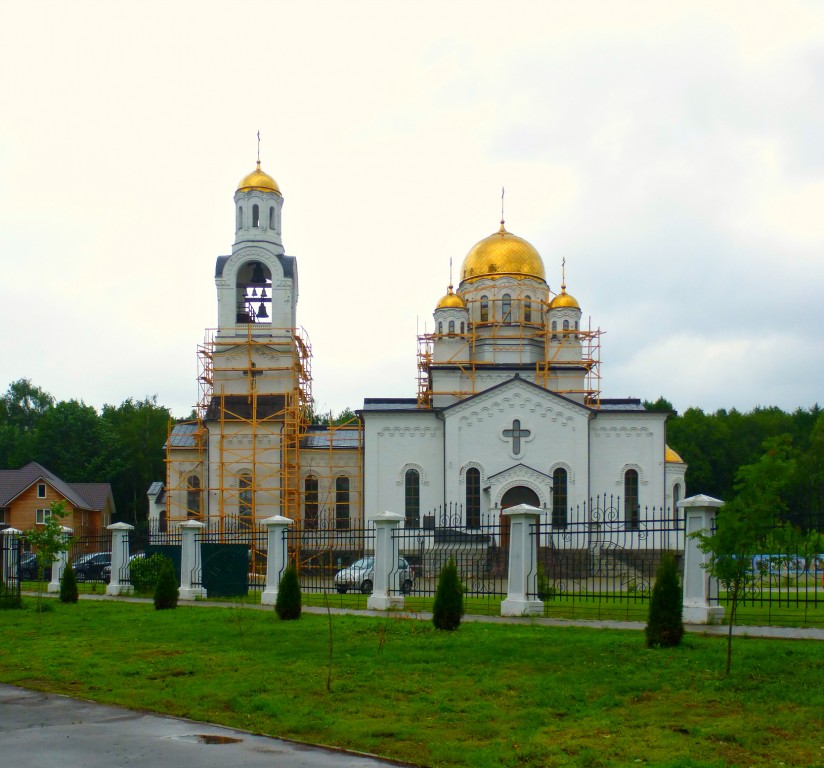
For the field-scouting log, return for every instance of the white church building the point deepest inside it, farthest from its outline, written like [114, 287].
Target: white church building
[507, 409]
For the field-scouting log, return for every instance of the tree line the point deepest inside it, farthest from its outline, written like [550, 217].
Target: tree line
[715, 445]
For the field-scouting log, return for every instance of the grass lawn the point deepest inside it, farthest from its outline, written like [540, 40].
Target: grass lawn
[486, 695]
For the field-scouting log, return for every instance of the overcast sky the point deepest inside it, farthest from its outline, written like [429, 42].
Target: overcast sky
[673, 153]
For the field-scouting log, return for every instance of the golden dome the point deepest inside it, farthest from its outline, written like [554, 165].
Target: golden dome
[671, 457]
[259, 181]
[563, 299]
[451, 301]
[502, 254]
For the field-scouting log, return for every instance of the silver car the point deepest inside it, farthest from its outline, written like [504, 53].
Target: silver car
[359, 576]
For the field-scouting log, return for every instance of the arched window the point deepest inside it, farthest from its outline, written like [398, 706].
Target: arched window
[676, 497]
[506, 308]
[560, 502]
[245, 498]
[528, 309]
[451, 327]
[632, 508]
[310, 502]
[162, 525]
[473, 497]
[463, 328]
[566, 325]
[440, 326]
[576, 325]
[412, 498]
[255, 215]
[193, 496]
[240, 217]
[271, 217]
[342, 502]
[484, 309]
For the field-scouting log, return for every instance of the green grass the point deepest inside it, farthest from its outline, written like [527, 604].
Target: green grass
[485, 695]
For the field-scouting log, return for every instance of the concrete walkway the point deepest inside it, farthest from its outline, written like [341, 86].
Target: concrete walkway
[786, 633]
[43, 730]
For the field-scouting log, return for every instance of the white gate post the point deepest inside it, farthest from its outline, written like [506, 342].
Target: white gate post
[522, 580]
[11, 538]
[699, 513]
[120, 559]
[59, 565]
[276, 558]
[386, 564]
[189, 559]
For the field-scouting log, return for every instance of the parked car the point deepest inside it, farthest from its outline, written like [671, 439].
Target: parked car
[107, 570]
[90, 567]
[360, 574]
[28, 568]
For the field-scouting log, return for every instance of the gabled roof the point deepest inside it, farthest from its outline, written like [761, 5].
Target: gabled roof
[524, 382]
[13, 482]
[515, 466]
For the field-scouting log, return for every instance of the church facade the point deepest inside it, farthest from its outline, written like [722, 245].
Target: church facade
[508, 408]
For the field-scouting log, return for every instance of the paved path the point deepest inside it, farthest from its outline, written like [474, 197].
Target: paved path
[40, 730]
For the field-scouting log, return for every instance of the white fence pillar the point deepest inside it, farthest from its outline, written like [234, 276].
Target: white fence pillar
[59, 564]
[190, 559]
[385, 574]
[120, 560]
[699, 512]
[522, 580]
[276, 558]
[11, 547]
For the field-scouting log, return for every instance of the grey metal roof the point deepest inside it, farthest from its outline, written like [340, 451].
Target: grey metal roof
[155, 488]
[392, 404]
[183, 436]
[622, 404]
[339, 438]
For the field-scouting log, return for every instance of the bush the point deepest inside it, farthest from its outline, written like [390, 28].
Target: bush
[448, 608]
[68, 584]
[144, 572]
[665, 626]
[166, 590]
[288, 603]
[9, 597]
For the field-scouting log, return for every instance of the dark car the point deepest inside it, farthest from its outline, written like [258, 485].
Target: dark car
[90, 567]
[29, 567]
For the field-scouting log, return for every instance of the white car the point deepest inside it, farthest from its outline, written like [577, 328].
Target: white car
[359, 576]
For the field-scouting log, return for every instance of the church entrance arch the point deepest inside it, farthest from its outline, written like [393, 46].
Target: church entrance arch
[520, 494]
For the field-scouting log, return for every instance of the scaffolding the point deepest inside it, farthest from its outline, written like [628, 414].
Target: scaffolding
[559, 352]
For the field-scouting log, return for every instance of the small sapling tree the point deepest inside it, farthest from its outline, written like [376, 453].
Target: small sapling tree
[665, 625]
[166, 590]
[47, 542]
[448, 608]
[744, 524]
[288, 604]
[68, 585]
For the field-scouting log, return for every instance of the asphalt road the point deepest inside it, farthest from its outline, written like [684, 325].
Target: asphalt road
[39, 730]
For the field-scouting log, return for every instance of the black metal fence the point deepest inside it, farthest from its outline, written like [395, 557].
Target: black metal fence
[11, 570]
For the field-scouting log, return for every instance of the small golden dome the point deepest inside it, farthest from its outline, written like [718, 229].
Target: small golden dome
[451, 301]
[502, 254]
[259, 181]
[564, 300]
[671, 457]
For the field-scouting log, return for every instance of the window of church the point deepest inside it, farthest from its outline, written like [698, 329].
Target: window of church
[632, 507]
[528, 309]
[566, 325]
[162, 525]
[463, 328]
[272, 217]
[342, 503]
[676, 497]
[560, 502]
[412, 498]
[440, 326]
[310, 502]
[473, 498]
[451, 327]
[245, 502]
[554, 329]
[255, 215]
[240, 217]
[193, 496]
[506, 308]
[484, 309]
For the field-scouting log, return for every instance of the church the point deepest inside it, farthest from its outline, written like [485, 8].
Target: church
[507, 410]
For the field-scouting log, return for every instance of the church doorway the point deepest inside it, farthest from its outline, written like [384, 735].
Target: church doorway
[520, 494]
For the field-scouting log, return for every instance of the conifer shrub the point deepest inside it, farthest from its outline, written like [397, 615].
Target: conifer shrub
[68, 584]
[166, 590]
[665, 625]
[448, 608]
[288, 603]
